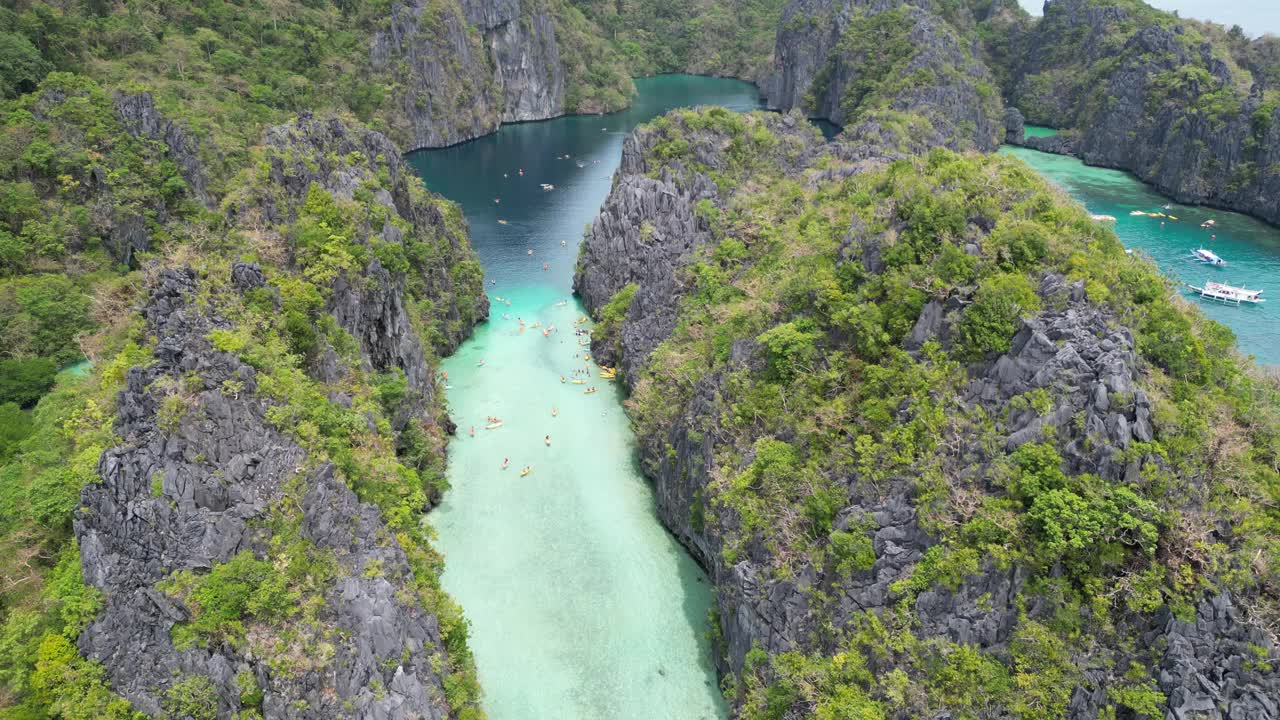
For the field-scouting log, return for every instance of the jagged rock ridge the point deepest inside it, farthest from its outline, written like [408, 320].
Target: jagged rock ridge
[204, 475]
[190, 494]
[1074, 353]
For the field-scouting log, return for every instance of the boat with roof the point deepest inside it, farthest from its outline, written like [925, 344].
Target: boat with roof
[1227, 294]
[1208, 257]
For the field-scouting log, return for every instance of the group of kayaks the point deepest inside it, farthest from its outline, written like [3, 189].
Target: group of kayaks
[606, 373]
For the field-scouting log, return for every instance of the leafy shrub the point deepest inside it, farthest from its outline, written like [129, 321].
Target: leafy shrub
[26, 381]
[998, 306]
[21, 66]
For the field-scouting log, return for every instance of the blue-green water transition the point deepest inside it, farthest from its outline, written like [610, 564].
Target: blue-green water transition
[1250, 247]
[581, 605]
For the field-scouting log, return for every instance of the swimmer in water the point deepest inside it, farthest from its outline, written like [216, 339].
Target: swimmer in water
[473, 431]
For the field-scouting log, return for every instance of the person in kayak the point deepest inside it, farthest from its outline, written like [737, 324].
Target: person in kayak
[506, 463]
[547, 440]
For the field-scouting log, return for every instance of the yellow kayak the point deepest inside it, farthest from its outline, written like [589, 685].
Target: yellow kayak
[579, 382]
[525, 472]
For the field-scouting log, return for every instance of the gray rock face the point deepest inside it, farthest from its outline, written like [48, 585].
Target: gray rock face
[142, 120]
[812, 71]
[1075, 351]
[527, 61]
[189, 493]
[647, 231]
[1014, 130]
[318, 151]
[1089, 368]
[1230, 161]
[466, 69]
[448, 93]
[1208, 667]
[1064, 143]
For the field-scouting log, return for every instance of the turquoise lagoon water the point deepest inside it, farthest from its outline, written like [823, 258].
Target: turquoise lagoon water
[1039, 131]
[1250, 247]
[581, 605]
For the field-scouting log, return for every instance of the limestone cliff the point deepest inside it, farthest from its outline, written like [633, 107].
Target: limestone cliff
[859, 614]
[1160, 97]
[190, 494]
[238, 464]
[854, 60]
[463, 69]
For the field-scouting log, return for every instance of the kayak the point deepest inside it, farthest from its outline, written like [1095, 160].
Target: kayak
[588, 391]
[493, 426]
[579, 382]
[526, 471]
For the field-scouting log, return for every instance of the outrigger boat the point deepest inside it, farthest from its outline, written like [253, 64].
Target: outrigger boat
[1227, 294]
[1208, 257]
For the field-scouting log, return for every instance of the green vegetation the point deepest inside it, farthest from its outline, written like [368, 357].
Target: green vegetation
[887, 59]
[45, 601]
[731, 38]
[1204, 71]
[25, 381]
[282, 592]
[84, 204]
[597, 76]
[837, 413]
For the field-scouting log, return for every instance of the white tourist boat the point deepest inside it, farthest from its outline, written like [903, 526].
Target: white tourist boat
[1228, 294]
[1208, 257]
